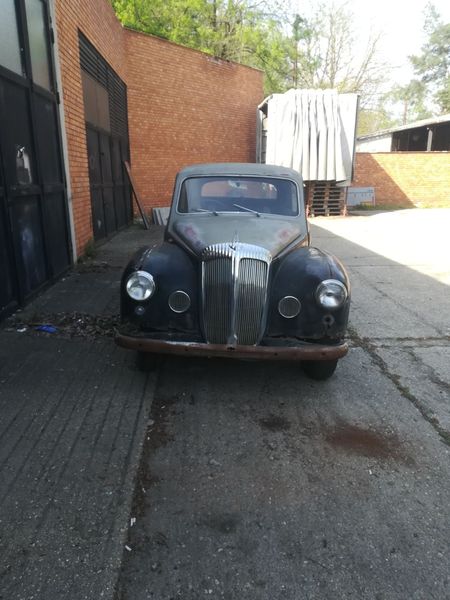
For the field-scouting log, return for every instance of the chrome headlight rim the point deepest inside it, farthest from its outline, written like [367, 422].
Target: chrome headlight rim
[293, 301]
[340, 296]
[143, 276]
[175, 297]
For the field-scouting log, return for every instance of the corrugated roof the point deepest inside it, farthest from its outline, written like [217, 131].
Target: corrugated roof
[422, 123]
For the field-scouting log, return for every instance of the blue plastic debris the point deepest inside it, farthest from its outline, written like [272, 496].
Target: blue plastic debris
[47, 328]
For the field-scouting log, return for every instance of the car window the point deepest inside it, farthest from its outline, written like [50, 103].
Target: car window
[239, 194]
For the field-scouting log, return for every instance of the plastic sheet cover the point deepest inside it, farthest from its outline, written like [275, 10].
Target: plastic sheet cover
[313, 132]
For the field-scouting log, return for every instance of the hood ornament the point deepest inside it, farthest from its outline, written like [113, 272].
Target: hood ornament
[235, 241]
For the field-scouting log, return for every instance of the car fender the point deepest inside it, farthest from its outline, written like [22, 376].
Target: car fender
[298, 274]
[172, 269]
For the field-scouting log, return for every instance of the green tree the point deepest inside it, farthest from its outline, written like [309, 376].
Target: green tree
[329, 55]
[229, 29]
[432, 65]
[292, 50]
[377, 118]
[412, 98]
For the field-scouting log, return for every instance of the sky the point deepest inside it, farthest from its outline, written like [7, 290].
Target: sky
[399, 21]
[401, 24]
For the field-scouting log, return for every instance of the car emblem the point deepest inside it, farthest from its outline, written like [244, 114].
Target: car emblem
[235, 241]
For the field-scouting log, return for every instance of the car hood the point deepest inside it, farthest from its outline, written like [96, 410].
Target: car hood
[197, 232]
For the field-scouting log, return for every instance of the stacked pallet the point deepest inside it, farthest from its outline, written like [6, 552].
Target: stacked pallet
[325, 198]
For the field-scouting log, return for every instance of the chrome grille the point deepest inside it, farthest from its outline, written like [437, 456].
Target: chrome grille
[234, 293]
[217, 299]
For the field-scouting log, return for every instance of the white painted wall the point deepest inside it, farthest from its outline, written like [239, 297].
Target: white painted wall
[381, 143]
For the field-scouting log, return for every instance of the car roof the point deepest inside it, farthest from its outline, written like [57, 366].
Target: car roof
[239, 169]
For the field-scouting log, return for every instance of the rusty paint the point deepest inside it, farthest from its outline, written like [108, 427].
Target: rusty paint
[303, 351]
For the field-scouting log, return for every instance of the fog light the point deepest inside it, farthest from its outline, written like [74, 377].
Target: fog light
[139, 311]
[179, 301]
[289, 307]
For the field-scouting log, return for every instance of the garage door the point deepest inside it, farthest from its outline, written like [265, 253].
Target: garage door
[105, 110]
[34, 232]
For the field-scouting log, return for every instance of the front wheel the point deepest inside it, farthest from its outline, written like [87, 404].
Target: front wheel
[319, 369]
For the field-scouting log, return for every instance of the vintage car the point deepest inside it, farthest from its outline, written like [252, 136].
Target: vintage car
[236, 276]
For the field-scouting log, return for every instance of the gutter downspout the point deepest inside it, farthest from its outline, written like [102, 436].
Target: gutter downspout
[65, 151]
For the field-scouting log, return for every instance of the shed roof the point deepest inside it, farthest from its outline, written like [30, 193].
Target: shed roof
[423, 123]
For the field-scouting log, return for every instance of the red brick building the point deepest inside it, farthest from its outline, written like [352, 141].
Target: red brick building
[405, 179]
[79, 94]
[407, 165]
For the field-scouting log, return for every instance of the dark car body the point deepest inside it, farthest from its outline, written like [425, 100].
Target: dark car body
[235, 275]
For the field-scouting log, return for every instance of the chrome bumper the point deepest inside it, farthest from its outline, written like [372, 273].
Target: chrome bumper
[304, 351]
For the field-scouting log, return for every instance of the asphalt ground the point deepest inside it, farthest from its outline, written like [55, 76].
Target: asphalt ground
[252, 481]
[73, 415]
[259, 483]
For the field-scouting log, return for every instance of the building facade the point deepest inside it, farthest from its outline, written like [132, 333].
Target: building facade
[407, 166]
[79, 95]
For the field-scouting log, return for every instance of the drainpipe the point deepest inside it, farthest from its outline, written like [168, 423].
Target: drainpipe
[62, 122]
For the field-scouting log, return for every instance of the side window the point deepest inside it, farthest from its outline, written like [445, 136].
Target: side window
[10, 49]
[39, 48]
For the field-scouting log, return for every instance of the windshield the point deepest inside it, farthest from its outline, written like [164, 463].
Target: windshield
[255, 195]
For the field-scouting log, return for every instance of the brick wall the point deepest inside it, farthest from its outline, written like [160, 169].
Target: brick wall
[98, 22]
[405, 178]
[183, 106]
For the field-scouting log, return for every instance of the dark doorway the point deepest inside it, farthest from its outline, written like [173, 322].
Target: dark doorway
[34, 232]
[105, 109]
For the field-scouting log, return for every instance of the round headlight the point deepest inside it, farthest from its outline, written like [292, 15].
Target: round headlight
[331, 294]
[289, 307]
[140, 286]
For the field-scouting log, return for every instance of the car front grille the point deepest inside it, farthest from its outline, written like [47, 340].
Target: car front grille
[234, 280]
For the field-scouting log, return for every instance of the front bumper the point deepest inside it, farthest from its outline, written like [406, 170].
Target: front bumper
[300, 351]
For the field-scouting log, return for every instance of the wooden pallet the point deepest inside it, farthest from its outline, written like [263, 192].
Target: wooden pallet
[325, 199]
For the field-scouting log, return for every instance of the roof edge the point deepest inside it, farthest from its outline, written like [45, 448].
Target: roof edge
[413, 125]
[209, 56]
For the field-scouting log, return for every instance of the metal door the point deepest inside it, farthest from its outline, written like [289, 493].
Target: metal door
[34, 244]
[105, 109]
[110, 192]
[8, 287]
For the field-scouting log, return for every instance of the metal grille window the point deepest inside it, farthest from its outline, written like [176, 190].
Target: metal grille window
[105, 110]
[99, 77]
[96, 102]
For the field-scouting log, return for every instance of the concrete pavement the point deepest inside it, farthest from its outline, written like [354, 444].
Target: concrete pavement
[262, 484]
[254, 482]
[399, 264]
[73, 413]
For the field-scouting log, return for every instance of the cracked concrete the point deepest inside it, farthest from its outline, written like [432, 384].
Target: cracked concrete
[401, 299]
[262, 484]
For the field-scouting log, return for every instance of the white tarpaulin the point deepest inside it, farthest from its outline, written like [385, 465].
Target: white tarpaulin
[313, 132]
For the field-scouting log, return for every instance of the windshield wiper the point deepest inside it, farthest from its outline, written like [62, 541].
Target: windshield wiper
[211, 212]
[248, 209]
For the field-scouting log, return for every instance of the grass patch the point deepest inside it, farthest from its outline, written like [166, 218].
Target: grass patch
[384, 207]
[90, 252]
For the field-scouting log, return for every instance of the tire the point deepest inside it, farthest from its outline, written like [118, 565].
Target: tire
[319, 369]
[146, 362]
